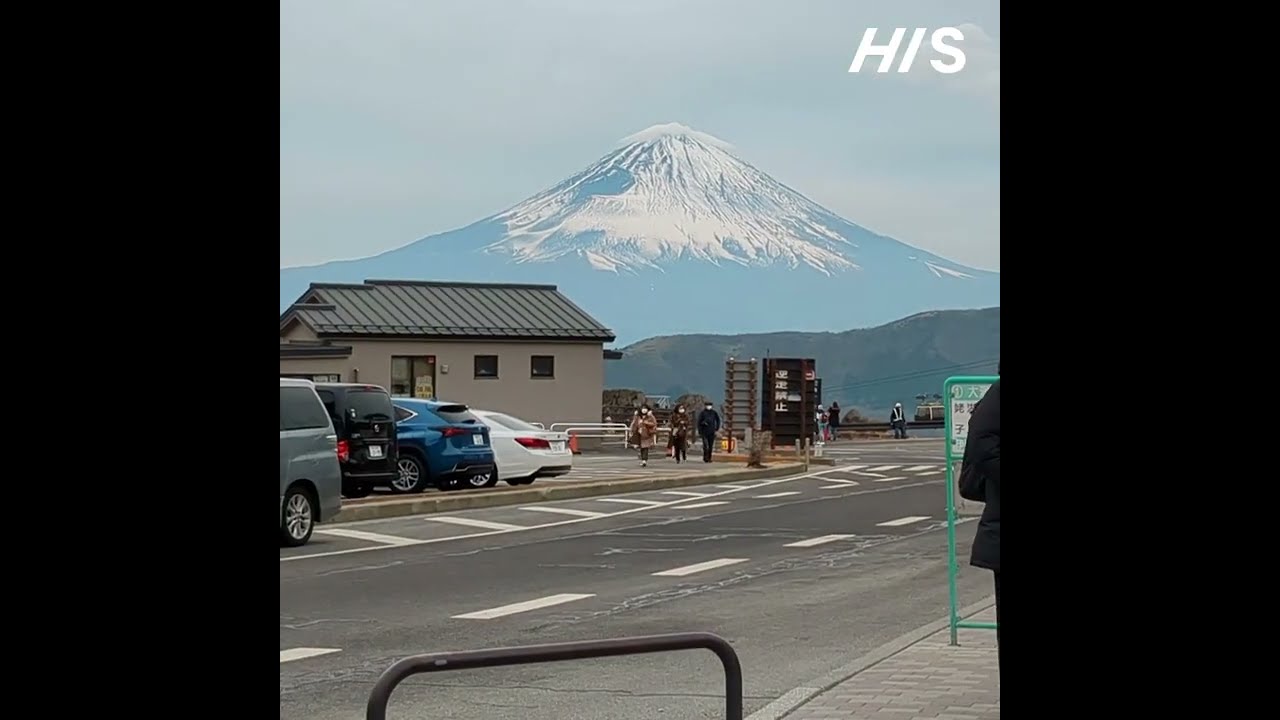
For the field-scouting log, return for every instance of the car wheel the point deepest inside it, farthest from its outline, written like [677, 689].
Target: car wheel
[356, 491]
[484, 480]
[297, 517]
[411, 476]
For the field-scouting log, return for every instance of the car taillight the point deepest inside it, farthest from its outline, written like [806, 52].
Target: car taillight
[452, 431]
[534, 443]
[344, 451]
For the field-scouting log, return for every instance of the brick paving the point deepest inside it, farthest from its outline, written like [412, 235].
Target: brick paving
[929, 680]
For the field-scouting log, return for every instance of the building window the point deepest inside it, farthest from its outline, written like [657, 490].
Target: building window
[486, 366]
[321, 378]
[542, 366]
[413, 376]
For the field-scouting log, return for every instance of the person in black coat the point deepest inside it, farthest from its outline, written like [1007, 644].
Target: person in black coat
[980, 481]
[708, 426]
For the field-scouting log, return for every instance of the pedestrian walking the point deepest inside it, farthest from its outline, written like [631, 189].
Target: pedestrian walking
[645, 429]
[833, 420]
[980, 482]
[820, 419]
[680, 431]
[898, 422]
[708, 426]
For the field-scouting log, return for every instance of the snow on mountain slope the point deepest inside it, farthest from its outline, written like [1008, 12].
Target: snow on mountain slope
[671, 193]
[674, 213]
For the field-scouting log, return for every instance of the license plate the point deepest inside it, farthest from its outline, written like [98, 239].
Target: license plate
[375, 451]
[477, 439]
[557, 447]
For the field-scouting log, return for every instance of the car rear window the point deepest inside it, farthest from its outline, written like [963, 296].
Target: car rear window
[369, 403]
[456, 414]
[512, 423]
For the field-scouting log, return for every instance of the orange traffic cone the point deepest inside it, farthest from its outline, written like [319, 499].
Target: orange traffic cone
[573, 444]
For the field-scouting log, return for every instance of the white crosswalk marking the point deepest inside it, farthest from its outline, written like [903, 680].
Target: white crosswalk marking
[811, 542]
[916, 468]
[903, 521]
[525, 606]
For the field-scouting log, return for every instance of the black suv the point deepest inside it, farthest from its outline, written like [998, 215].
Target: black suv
[365, 423]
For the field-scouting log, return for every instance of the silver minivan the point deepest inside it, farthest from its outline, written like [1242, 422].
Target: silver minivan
[310, 477]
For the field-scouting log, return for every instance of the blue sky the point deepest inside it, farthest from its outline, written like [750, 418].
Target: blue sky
[404, 118]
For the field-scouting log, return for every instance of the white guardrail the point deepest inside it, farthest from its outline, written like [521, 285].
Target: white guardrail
[607, 433]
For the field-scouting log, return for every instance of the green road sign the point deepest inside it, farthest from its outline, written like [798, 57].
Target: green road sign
[962, 394]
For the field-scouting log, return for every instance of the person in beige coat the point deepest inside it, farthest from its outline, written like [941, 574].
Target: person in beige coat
[645, 429]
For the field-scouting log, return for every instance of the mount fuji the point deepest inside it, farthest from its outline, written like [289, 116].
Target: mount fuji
[673, 233]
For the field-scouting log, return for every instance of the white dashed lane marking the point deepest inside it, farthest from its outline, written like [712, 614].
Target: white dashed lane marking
[884, 468]
[811, 542]
[366, 536]
[778, 495]
[699, 567]
[890, 479]
[629, 501]
[916, 468]
[564, 511]
[903, 521]
[303, 653]
[471, 522]
[684, 493]
[525, 606]
[695, 506]
[934, 472]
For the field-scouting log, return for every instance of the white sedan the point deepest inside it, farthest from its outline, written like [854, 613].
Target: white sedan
[525, 452]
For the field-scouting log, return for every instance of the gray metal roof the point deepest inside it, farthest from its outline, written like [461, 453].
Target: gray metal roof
[381, 308]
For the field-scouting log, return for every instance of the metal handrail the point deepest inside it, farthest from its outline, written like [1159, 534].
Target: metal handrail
[555, 652]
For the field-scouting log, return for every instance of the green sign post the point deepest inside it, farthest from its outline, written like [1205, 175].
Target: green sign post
[961, 394]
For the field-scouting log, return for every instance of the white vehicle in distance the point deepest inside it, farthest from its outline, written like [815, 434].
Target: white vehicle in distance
[523, 451]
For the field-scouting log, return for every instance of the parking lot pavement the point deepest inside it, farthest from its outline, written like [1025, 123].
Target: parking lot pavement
[919, 508]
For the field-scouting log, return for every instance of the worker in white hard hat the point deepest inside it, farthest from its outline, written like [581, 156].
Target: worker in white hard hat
[898, 421]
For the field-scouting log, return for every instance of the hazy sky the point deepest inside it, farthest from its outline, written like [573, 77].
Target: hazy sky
[404, 118]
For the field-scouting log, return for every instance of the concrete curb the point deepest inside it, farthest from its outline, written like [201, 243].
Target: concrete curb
[793, 700]
[464, 500]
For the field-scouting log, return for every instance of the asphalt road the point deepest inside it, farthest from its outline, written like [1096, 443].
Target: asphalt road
[801, 575]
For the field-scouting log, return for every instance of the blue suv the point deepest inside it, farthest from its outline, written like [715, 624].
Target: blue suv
[442, 445]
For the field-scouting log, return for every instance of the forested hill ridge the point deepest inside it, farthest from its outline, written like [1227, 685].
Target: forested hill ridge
[869, 369]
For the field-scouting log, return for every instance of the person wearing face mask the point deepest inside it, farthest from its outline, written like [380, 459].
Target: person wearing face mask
[680, 434]
[645, 429]
[708, 426]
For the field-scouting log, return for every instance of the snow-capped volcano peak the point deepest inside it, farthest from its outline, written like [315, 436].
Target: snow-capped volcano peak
[669, 193]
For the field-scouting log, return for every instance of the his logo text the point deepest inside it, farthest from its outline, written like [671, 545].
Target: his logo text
[886, 53]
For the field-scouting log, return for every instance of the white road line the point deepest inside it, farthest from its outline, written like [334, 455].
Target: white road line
[628, 501]
[838, 480]
[864, 473]
[838, 487]
[469, 522]
[890, 479]
[571, 521]
[818, 541]
[852, 467]
[884, 468]
[525, 606]
[303, 653]
[903, 521]
[565, 511]
[777, 494]
[367, 536]
[695, 506]
[735, 487]
[699, 567]
[916, 468]
[935, 472]
[685, 493]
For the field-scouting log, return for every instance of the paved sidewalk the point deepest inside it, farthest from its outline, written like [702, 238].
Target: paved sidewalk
[927, 680]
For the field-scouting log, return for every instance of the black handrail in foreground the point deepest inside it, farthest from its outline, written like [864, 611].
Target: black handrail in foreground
[555, 652]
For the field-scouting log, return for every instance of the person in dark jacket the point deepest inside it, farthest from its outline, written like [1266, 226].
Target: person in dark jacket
[980, 479]
[898, 421]
[708, 426]
[833, 419]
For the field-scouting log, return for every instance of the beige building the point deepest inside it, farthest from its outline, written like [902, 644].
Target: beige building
[525, 350]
